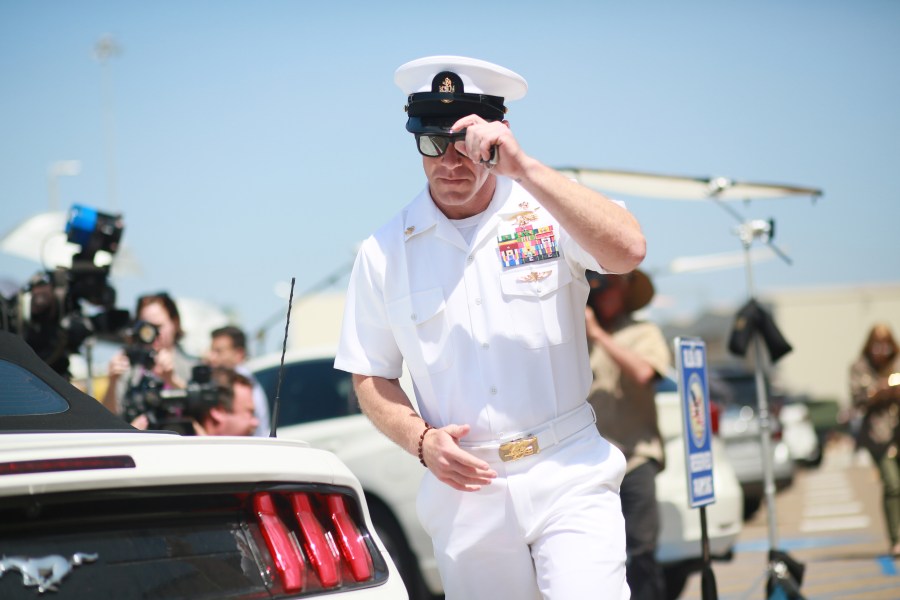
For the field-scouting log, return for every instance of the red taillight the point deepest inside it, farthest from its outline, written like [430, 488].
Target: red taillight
[714, 417]
[315, 541]
[349, 540]
[775, 420]
[81, 463]
[282, 547]
[333, 547]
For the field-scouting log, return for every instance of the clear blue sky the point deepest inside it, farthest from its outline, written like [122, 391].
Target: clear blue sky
[256, 141]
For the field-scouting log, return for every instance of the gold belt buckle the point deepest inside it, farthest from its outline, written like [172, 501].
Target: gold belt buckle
[519, 448]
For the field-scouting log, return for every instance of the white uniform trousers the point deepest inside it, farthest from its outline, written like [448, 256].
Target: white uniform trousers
[549, 526]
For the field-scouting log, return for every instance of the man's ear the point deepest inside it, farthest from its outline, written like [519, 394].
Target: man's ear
[216, 414]
[505, 122]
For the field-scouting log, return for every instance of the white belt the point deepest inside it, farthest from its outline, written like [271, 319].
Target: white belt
[542, 437]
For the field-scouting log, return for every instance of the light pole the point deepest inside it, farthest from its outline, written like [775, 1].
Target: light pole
[58, 169]
[105, 48]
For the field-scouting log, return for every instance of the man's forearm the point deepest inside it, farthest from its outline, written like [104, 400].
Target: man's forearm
[390, 410]
[632, 364]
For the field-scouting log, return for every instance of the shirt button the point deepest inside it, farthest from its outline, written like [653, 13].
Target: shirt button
[470, 259]
[412, 317]
[493, 390]
[477, 301]
[539, 290]
[485, 345]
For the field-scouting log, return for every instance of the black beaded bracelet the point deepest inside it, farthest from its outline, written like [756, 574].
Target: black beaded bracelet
[422, 441]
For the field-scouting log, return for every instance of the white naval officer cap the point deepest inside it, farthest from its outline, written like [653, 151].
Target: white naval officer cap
[441, 89]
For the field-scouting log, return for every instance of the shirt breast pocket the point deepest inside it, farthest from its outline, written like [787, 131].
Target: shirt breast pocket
[538, 300]
[421, 326]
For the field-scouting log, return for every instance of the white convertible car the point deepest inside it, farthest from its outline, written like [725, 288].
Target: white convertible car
[92, 508]
[318, 405]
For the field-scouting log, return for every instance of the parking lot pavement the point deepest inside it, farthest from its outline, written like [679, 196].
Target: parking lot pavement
[831, 520]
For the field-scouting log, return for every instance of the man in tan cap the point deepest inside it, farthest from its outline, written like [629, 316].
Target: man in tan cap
[479, 286]
[627, 358]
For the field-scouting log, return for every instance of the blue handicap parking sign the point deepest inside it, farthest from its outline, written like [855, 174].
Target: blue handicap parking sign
[693, 389]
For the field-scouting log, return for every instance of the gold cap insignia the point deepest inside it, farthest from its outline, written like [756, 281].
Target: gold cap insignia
[447, 86]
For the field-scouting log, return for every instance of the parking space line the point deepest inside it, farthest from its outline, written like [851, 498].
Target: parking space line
[888, 567]
[833, 510]
[788, 544]
[836, 524]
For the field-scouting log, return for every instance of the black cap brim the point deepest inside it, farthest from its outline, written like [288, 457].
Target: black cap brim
[435, 112]
[440, 126]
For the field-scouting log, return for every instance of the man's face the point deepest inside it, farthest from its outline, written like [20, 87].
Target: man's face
[458, 186]
[222, 353]
[242, 418]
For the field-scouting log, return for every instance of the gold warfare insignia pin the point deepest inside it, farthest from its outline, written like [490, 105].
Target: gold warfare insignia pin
[409, 230]
[534, 276]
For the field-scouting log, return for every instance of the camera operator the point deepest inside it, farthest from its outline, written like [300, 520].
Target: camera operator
[231, 413]
[170, 364]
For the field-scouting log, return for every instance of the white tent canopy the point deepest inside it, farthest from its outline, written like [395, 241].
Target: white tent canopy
[674, 187]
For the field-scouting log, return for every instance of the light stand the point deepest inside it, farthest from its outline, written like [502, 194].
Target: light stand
[747, 232]
[783, 573]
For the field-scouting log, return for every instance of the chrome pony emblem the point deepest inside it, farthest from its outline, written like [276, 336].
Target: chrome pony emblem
[47, 572]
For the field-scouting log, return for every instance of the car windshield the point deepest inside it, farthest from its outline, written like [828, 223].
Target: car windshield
[311, 390]
[734, 390]
[23, 393]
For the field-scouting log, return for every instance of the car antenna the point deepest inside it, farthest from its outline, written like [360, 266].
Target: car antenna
[281, 368]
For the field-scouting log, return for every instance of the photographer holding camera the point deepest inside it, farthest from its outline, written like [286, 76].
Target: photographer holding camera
[164, 360]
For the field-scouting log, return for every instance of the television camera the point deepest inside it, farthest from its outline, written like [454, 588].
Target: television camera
[49, 312]
[168, 409]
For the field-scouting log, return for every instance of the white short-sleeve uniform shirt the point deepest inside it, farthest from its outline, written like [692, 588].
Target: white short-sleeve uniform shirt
[492, 332]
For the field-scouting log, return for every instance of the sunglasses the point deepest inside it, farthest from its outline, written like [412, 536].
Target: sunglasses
[436, 144]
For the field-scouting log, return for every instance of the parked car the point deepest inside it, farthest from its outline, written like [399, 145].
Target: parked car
[318, 405]
[92, 508]
[799, 432]
[734, 390]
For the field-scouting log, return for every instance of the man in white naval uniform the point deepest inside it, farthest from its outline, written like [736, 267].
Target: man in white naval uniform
[479, 285]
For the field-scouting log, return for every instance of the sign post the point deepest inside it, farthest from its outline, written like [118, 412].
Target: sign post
[693, 389]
